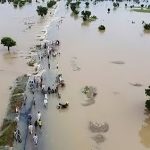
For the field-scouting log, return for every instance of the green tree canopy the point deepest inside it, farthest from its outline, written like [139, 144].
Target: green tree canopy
[101, 27]
[51, 3]
[7, 41]
[147, 103]
[86, 15]
[147, 27]
[42, 10]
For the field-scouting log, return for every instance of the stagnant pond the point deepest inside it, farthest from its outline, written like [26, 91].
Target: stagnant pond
[114, 62]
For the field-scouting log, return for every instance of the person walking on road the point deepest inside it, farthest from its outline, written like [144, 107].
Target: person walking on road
[35, 124]
[35, 139]
[38, 116]
[30, 128]
[40, 123]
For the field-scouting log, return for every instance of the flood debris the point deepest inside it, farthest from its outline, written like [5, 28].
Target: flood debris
[90, 93]
[88, 102]
[98, 138]
[31, 62]
[74, 64]
[118, 62]
[98, 127]
[136, 84]
[116, 93]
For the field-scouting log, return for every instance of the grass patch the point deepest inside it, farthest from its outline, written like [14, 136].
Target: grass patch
[7, 138]
[17, 93]
[144, 10]
[16, 100]
[8, 126]
[5, 124]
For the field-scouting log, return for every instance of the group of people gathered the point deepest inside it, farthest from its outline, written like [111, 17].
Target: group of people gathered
[36, 83]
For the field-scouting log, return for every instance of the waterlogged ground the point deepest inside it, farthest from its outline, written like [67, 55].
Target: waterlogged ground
[114, 62]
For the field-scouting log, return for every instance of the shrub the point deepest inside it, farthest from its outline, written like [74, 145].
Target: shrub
[147, 26]
[101, 27]
[51, 3]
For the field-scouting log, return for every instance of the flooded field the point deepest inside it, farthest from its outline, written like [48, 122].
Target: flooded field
[115, 62]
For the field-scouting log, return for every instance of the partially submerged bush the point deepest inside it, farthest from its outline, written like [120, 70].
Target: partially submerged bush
[147, 26]
[31, 62]
[87, 4]
[51, 3]
[115, 5]
[7, 135]
[101, 28]
[86, 15]
[17, 93]
[42, 10]
[93, 18]
[147, 104]
[73, 7]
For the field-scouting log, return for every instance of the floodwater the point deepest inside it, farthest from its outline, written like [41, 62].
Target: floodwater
[88, 57]
[97, 56]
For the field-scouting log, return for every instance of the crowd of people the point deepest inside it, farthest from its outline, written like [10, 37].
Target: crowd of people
[37, 83]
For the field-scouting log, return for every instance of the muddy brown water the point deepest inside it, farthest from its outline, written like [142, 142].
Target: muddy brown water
[124, 112]
[121, 42]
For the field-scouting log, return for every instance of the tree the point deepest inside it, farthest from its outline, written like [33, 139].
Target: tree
[147, 26]
[51, 3]
[86, 15]
[147, 103]
[7, 41]
[115, 5]
[87, 4]
[73, 8]
[142, 5]
[42, 10]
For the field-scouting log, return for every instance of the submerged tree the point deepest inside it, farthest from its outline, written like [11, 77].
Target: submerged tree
[147, 103]
[51, 3]
[147, 26]
[87, 4]
[142, 5]
[73, 7]
[115, 5]
[101, 28]
[86, 15]
[7, 41]
[42, 10]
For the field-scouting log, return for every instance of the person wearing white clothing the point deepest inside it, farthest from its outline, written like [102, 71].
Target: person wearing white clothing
[38, 116]
[30, 128]
[35, 139]
[45, 102]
